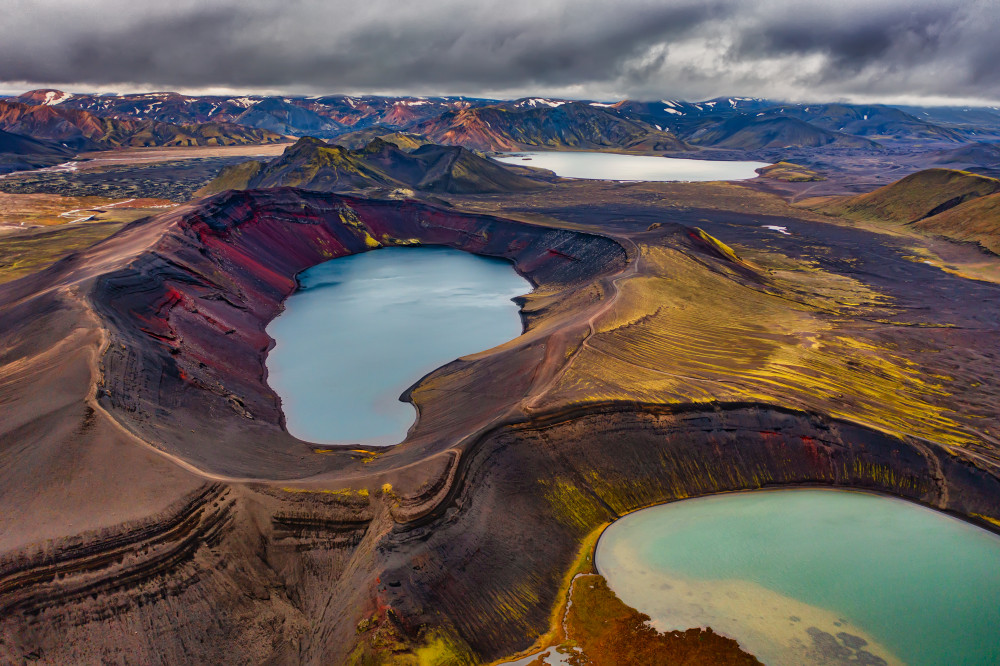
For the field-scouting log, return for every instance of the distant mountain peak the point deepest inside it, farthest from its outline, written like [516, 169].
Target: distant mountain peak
[44, 97]
[533, 102]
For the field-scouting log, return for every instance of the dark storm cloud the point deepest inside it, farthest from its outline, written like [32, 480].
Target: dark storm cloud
[308, 43]
[883, 40]
[637, 48]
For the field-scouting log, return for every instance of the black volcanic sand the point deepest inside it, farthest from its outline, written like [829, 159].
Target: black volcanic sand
[883, 261]
[178, 521]
[175, 180]
[924, 293]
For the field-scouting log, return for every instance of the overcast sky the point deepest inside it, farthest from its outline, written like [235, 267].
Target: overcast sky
[868, 50]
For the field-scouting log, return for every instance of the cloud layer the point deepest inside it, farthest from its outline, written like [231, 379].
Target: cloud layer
[873, 49]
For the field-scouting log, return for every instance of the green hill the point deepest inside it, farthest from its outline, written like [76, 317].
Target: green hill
[918, 196]
[312, 164]
[959, 205]
[361, 138]
[976, 220]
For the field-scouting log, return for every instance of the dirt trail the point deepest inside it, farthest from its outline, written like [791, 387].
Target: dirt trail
[630, 271]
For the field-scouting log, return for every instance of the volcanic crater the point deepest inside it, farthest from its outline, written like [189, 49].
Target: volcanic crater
[149, 349]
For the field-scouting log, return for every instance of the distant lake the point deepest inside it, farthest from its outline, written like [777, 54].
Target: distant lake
[813, 576]
[362, 329]
[612, 166]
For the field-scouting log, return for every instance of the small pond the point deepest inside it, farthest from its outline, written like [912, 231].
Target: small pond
[813, 576]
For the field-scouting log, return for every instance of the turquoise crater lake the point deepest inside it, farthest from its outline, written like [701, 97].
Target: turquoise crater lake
[613, 166]
[813, 576]
[362, 329]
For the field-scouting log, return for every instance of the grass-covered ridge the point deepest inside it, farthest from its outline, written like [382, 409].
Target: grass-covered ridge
[315, 165]
[959, 205]
[919, 195]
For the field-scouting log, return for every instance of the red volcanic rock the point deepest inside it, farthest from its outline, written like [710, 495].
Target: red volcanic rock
[401, 114]
[44, 96]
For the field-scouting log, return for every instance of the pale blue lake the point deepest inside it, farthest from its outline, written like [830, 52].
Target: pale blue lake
[612, 166]
[362, 329]
[814, 576]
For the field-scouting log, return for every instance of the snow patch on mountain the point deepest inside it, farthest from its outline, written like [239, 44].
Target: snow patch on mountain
[538, 101]
[54, 97]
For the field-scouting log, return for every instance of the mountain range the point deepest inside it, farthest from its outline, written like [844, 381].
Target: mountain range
[325, 116]
[82, 130]
[570, 125]
[743, 132]
[740, 123]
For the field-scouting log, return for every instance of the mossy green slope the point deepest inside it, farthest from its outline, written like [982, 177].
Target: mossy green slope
[315, 165]
[918, 196]
[976, 221]
[403, 140]
[959, 205]
[233, 177]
